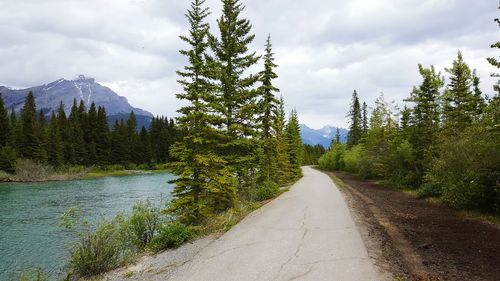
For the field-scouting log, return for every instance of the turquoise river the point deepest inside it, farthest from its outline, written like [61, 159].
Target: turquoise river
[30, 216]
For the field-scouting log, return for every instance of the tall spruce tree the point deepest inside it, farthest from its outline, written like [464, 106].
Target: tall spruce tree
[282, 160]
[295, 145]
[205, 183]
[75, 129]
[54, 146]
[267, 107]
[236, 98]
[29, 143]
[424, 119]
[102, 137]
[461, 105]
[365, 119]
[356, 122]
[4, 124]
[496, 63]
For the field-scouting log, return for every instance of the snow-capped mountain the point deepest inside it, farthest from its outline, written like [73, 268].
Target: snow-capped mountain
[49, 96]
[323, 136]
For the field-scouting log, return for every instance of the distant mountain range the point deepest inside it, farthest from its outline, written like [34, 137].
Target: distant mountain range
[323, 136]
[49, 96]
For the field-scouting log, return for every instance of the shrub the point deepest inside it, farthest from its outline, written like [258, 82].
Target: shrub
[28, 170]
[143, 223]
[104, 249]
[171, 235]
[8, 159]
[466, 171]
[333, 160]
[353, 158]
[266, 191]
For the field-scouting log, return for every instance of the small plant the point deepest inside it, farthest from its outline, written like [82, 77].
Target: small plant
[266, 191]
[104, 249]
[171, 235]
[143, 223]
[35, 275]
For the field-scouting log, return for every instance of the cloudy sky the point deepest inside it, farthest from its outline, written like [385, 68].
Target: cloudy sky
[325, 48]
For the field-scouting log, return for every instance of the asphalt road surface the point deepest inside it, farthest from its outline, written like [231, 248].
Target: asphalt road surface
[305, 234]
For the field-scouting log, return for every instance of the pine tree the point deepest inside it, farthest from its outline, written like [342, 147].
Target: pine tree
[76, 139]
[145, 147]
[29, 143]
[496, 63]
[295, 145]
[337, 136]
[282, 160]
[4, 124]
[205, 184]
[365, 119]
[41, 154]
[90, 135]
[236, 97]
[65, 134]
[355, 129]
[267, 106]
[460, 103]
[102, 137]
[54, 145]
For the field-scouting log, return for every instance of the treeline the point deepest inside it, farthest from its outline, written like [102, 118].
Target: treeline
[312, 154]
[446, 144]
[237, 144]
[82, 138]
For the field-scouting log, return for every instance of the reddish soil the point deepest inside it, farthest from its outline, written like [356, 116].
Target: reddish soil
[419, 240]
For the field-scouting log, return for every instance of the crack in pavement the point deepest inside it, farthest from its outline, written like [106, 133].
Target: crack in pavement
[302, 274]
[299, 247]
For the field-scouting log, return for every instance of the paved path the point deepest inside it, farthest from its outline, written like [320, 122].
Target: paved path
[305, 234]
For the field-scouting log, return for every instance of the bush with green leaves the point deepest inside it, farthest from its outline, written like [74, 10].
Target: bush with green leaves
[171, 235]
[143, 223]
[267, 190]
[8, 158]
[106, 248]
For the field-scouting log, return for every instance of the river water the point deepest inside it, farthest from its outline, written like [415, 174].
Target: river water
[30, 216]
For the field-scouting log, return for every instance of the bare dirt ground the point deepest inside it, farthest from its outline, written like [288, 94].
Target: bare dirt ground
[419, 240]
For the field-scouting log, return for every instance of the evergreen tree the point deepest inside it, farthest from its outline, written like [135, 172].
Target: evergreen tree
[90, 134]
[145, 147]
[267, 106]
[76, 138]
[41, 154]
[424, 119]
[356, 123]
[64, 133]
[54, 145]
[282, 160]
[337, 136]
[29, 143]
[365, 119]
[496, 63]
[295, 145]
[460, 103]
[236, 99]
[102, 137]
[4, 124]
[205, 183]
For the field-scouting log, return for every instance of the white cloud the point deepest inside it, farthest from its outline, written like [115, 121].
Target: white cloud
[325, 48]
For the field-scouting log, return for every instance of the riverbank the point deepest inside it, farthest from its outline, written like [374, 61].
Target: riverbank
[418, 239]
[41, 221]
[38, 173]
